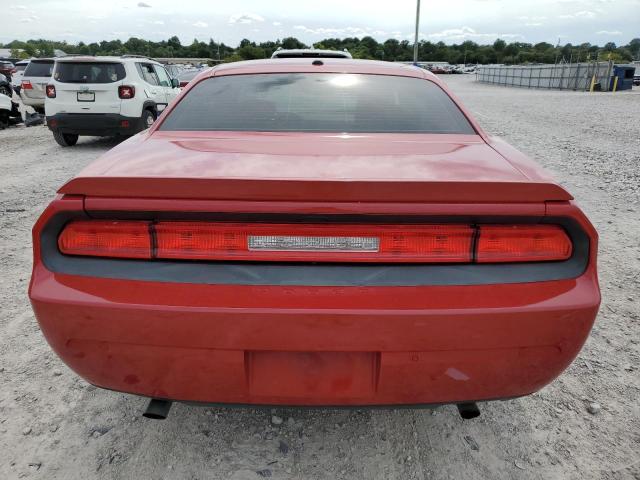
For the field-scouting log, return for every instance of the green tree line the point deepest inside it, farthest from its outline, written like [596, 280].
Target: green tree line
[367, 47]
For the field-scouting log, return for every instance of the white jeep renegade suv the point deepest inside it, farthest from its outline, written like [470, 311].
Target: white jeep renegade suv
[106, 96]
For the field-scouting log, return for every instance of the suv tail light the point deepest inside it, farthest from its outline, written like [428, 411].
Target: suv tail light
[446, 243]
[26, 85]
[51, 91]
[126, 92]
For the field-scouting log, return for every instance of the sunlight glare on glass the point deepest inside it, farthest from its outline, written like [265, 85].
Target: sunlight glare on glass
[344, 80]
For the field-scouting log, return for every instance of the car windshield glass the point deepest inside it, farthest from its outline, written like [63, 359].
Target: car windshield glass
[21, 66]
[39, 69]
[317, 102]
[88, 72]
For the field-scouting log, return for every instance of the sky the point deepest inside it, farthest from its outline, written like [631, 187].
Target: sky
[451, 21]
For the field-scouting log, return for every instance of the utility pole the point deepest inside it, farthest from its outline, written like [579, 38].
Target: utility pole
[415, 45]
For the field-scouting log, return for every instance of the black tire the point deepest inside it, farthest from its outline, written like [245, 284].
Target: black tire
[65, 139]
[148, 117]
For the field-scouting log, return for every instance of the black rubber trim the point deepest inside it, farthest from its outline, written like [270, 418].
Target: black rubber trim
[98, 124]
[310, 274]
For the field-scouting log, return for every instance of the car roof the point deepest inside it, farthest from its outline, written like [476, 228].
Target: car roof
[309, 53]
[115, 59]
[310, 65]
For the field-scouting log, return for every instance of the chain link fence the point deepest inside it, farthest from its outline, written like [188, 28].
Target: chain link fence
[566, 76]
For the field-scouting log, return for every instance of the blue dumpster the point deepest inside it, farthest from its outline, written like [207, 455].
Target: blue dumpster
[624, 74]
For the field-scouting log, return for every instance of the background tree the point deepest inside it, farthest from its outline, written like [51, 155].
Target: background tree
[366, 47]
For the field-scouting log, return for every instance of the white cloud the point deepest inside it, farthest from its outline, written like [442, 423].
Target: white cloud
[334, 32]
[276, 24]
[580, 14]
[531, 19]
[200, 24]
[144, 5]
[245, 18]
[533, 24]
[158, 22]
[468, 33]
[609, 32]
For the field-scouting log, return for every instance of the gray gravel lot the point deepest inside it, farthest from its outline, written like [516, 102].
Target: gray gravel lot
[53, 425]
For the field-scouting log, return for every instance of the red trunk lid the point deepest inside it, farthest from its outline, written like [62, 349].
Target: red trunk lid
[313, 167]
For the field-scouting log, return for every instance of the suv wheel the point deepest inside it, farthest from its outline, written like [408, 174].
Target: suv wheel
[148, 117]
[65, 139]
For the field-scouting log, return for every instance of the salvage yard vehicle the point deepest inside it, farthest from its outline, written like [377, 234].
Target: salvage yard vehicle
[106, 96]
[9, 113]
[16, 78]
[5, 86]
[315, 232]
[310, 53]
[7, 68]
[34, 80]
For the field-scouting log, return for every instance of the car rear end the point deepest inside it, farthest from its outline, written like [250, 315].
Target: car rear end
[87, 96]
[34, 82]
[307, 268]
[16, 78]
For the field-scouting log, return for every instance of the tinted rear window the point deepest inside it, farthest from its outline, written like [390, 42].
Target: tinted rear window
[89, 72]
[317, 102]
[39, 69]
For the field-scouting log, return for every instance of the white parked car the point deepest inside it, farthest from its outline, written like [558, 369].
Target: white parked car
[106, 96]
[16, 78]
[34, 80]
[310, 53]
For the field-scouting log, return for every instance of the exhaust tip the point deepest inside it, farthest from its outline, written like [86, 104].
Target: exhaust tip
[157, 409]
[468, 410]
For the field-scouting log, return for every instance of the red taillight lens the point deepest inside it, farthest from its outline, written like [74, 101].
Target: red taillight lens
[317, 243]
[51, 91]
[26, 85]
[126, 92]
[106, 239]
[522, 243]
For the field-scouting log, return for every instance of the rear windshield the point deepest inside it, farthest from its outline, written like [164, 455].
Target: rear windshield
[21, 66]
[39, 69]
[89, 72]
[317, 102]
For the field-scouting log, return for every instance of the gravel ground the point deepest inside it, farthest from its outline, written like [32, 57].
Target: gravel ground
[53, 425]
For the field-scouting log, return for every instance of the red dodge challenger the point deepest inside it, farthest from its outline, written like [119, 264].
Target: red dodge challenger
[315, 233]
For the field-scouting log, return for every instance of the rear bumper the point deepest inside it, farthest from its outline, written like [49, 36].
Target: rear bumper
[32, 102]
[314, 345]
[302, 344]
[98, 124]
